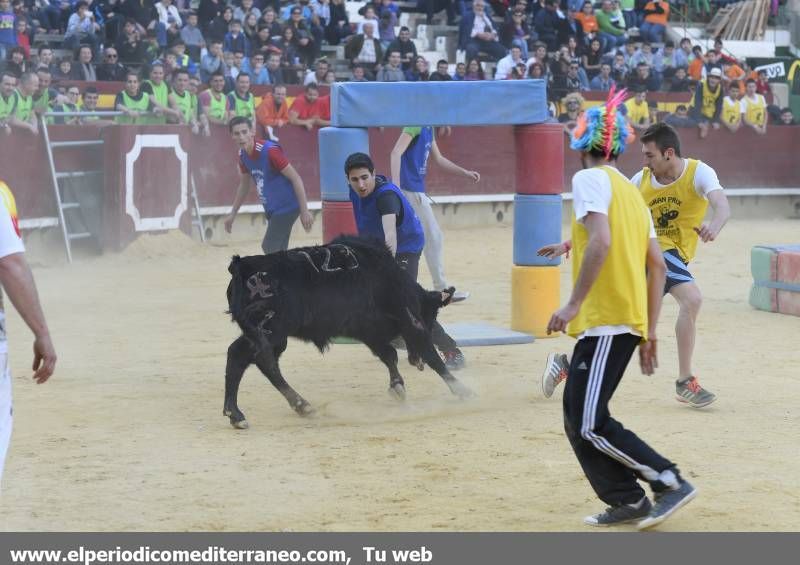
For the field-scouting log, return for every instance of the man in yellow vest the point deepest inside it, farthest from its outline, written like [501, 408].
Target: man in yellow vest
[17, 281]
[8, 100]
[23, 116]
[677, 191]
[185, 103]
[213, 102]
[707, 102]
[754, 108]
[132, 102]
[732, 108]
[618, 284]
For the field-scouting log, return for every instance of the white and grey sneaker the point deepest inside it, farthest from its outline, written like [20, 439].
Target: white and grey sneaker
[622, 514]
[555, 371]
[666, 503]
[459, 296]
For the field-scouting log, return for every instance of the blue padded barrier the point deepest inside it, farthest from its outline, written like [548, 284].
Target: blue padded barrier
[335, 144]
[453, 103]
[537, 222]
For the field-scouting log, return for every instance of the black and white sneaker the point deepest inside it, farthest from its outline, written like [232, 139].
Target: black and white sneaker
[666, 503]
[618, 515]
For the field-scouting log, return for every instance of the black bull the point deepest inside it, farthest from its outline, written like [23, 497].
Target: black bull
[351, 287]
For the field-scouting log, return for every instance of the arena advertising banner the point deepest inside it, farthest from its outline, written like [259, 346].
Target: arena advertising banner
[397, 548]
[777, 69]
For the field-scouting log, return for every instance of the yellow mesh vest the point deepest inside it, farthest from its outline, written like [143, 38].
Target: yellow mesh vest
[731, 113]
[710, 99]
[619, 295]
[756, 110]
[676, 210]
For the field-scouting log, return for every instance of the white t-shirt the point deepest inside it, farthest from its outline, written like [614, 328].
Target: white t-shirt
[591, 192]
[10, 243]
[705, 179]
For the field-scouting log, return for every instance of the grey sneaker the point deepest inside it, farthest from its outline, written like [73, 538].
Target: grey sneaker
[623, 514]
[690, 392]
[555, 371]
[666, 503]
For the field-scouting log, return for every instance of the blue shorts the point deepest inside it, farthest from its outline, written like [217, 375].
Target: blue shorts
[677, 270]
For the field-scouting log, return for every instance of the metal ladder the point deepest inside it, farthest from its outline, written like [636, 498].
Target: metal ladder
[56, 176]
[197, 218]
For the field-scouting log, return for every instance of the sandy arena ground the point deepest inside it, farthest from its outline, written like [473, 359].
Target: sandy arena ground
[129, 434]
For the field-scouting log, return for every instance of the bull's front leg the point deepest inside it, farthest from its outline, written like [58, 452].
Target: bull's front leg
[420, 345]
[240, 355]
[388, 354]
[267, 361]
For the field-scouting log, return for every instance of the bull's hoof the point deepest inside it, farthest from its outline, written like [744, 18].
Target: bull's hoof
[460, 390]
[417, 362]
[303, 408]
[398, 391]
[240, 424]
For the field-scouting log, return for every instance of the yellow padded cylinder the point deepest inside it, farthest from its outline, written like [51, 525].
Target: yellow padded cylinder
[535, 295]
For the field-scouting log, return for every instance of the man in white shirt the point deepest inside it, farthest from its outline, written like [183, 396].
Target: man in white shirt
[507, 63]
[17, 281]
[483, 37]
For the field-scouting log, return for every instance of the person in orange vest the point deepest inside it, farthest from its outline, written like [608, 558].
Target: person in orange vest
[656, 14]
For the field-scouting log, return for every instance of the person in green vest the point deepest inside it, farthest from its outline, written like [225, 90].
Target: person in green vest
[88, 103]
[8, 100]
[23, 116]
[158, 90]
[44, 97]
[186, 102]
[213, 102]
[70, 105]
[241, 101]
[133, 102]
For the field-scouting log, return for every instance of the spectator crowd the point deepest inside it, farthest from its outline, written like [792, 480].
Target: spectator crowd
[195, 62]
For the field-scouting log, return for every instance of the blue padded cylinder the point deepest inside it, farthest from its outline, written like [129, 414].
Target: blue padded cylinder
[335, 145]
[537, 222]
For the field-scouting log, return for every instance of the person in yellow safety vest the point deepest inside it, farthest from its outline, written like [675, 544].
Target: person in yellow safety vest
[707, 103]
[8, 100]
[213, 102]
[186, 102]
[134, 103]
[23, 116]
[158, 90]
[613, 309]
[754, 107]
[732, 108]
[638, 110]
[241, 101]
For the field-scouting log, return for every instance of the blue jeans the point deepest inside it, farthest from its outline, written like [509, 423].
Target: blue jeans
[612, 41]
[161, 34]
[522, 44]
[654, 33]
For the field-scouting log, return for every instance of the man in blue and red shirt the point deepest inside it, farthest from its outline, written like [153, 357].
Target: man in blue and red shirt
[279, 186]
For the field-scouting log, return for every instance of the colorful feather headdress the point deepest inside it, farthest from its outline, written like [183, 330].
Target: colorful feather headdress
[603, 128]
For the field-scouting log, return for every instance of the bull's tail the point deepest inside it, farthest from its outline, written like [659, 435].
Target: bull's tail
[236, 290]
